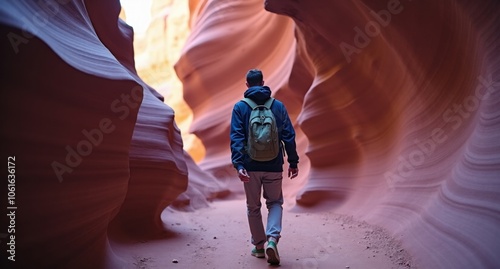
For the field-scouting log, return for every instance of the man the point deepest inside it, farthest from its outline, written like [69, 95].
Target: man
[266, 175]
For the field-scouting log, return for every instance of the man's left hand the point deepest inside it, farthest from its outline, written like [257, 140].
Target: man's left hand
[293, 172]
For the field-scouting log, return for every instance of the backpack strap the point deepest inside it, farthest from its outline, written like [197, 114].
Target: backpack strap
[269, 103]
[253, 105]
[250, 102]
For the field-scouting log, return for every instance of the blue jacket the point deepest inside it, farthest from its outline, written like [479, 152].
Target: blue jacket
[239, 130]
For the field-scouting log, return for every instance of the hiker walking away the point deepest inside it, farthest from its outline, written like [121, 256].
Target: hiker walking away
[261, 132]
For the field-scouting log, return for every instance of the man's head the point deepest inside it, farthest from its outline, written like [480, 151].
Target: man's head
[255, 78]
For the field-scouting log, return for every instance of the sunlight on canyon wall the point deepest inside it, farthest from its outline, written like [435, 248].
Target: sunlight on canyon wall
[157, 47]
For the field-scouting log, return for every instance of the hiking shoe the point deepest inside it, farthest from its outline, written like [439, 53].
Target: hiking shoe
[272, 253]
[259, 253]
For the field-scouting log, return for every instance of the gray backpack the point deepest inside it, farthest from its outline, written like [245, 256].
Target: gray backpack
[263, 141]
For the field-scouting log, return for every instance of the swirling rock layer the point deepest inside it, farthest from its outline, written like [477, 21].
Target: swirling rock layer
[398, 102]
[92, 142]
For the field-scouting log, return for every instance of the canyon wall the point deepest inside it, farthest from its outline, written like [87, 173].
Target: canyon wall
[396, 102]
[93, 148]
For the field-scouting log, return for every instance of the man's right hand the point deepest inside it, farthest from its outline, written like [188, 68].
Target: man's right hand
[243, 175]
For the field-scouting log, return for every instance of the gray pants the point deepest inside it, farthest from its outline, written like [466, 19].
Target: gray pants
[270, 182]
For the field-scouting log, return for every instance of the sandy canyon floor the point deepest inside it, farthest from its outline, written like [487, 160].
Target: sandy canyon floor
[218, 237]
